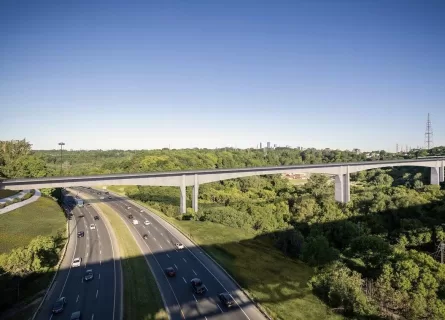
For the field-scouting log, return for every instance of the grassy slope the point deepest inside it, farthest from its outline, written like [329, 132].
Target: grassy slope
[7, 193]
[20, 226]
[277, 282]
[142, 299]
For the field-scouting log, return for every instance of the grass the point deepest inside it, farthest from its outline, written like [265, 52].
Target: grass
[7, 193]
[277, 282]
[142, 299]
[20, 226]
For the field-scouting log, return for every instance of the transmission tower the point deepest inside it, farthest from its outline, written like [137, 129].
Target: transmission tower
[429, 134]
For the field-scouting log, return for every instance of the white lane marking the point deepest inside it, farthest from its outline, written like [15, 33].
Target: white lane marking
[176, 267]
[184, 279]
[92, 316]
[154, 238]
[220, 308]
[162, 234]
[161, 222]
[100, 251]
[184, 260]
[205, 318]
[99, 276]
[77, 298]
[51, 316]
[100, 262]
[161, 246]
[156, 228]
[168, 255]
[69, 270]
[194, 272]
[159, 265]
[97, 293]
[195, 298]
[81, 281]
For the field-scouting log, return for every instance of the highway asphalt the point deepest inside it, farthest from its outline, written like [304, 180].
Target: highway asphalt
[98, 298]
[160, 252]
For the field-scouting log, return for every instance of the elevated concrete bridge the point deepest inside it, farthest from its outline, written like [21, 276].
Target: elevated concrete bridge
[194, 178]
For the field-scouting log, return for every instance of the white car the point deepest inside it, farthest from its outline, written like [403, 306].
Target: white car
[128, 208]
[92, 227]
[135, 221]
[179, 246]
[76, 262]
[141, 210]
[146, 222]
[102, 198]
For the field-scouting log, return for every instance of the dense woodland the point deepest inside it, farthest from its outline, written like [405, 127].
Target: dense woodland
[375, 257]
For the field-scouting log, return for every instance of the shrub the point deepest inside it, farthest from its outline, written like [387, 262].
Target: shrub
[33, 191]
[342, 289]
[27, 196]
[2, 205]
[15, 200]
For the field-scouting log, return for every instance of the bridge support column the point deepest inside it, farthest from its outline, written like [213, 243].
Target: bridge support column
[195, 194]
[441, 173]
[342, 188]
[183, 197]
[435, 175]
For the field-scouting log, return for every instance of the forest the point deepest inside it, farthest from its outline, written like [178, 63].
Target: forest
[375, 257]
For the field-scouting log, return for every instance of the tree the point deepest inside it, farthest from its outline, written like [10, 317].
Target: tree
[342, 289]
[317, 252]
[373, 250]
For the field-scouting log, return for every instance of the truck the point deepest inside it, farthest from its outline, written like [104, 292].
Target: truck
[79, 202]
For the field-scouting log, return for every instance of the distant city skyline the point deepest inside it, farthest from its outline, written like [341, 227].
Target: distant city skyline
[339, 75]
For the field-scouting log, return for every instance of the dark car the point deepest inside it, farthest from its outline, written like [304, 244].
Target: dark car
[226, 299]
[145, 236]
[170, 272]
[96, 217]
[89, 275]
[130, 216]
[109, 197]
[75, 315]
[107, 192]
[80, 234]
[197, 286]
[59, 305]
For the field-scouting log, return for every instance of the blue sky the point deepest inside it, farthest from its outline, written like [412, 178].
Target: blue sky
[142, 75]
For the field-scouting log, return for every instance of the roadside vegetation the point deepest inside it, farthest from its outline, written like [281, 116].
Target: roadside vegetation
[7, 193]
[142, 299]
[375, 257]
[43, 217]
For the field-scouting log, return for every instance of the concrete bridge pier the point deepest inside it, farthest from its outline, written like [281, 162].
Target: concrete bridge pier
[183, 196]
[435, 175]
[441, 174]
[195, 194]
[342, 188]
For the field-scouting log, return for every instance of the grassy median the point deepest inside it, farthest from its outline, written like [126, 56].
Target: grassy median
[277, 282]
[142, 299]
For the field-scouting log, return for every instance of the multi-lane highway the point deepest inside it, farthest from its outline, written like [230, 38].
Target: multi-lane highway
[98, 298]
[160, 252]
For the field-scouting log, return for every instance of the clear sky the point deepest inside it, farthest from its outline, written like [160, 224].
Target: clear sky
[149, 74]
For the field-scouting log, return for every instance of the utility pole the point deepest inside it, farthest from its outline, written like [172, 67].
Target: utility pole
[61, 144]
[428, 134]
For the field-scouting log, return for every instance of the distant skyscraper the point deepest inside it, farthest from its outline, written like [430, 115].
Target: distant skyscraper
[261, 145]
[275, 145]
[268, 145]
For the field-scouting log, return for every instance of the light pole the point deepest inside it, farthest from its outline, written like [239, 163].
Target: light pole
[61, 144]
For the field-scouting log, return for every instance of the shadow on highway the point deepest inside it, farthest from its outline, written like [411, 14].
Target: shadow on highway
[270, 290]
